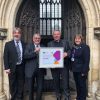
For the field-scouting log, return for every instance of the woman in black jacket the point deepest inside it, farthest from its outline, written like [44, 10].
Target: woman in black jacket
[80, 58]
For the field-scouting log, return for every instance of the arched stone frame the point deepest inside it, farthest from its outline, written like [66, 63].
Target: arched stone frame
[8, 9]
[8, 13]
[92, 20]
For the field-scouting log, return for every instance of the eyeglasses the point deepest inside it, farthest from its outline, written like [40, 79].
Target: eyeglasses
[37, 38]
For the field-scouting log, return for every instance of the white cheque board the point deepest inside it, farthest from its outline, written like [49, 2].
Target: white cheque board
[51, 57]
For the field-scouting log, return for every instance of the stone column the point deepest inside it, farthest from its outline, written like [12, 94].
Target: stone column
[2, 94]
[98, 91]
[90, 95]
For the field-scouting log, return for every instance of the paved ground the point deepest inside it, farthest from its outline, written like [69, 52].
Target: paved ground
[51, 96]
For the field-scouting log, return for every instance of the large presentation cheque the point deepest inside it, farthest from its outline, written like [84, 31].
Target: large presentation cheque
[51, 57]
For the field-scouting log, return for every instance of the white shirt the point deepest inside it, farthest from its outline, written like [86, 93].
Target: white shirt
[36, 45]
[20, 46]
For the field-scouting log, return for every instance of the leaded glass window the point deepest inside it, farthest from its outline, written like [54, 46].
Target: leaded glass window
[50, 16]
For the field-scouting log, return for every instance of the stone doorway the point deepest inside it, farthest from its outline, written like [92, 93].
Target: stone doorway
[70, 21]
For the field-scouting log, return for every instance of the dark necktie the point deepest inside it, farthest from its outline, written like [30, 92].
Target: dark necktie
[37, 46]
[37, 56]
[18, 52]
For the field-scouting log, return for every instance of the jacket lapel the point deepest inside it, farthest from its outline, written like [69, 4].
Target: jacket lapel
[14, 47]
[23, 46]
[33, 46]
[41, 45]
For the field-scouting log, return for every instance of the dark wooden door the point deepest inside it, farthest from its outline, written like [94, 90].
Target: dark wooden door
[44, 16]
[73, 22]
[73, 19]
[28, 19]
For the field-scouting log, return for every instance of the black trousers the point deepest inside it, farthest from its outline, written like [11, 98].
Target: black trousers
[80, 85]
[16, 83]
[62, 73]
[39, 76]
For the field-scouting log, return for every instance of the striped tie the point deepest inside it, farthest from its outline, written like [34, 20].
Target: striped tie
[18, 52]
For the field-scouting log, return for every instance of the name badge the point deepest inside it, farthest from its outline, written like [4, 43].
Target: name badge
[72, 59]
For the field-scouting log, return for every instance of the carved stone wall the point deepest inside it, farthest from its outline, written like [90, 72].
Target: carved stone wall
[74, 20]
[28, 19]
[91, 9]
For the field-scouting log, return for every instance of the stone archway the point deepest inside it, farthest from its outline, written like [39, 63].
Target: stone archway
[92, 42]
[8, 10]
[73, 21]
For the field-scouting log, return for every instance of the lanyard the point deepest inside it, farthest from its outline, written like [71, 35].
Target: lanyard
[73, 55]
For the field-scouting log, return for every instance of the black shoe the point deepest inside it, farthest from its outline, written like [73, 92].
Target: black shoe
[67, 98]
[58, 98]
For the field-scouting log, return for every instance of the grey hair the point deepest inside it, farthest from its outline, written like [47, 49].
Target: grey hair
[16, 29]
[36, 34]
[55, 31]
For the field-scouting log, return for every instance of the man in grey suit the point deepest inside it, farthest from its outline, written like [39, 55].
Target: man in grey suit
[63, 72]
[32, 70]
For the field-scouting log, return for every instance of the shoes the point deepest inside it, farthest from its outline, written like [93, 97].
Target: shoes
[58, 98]
[67, 97]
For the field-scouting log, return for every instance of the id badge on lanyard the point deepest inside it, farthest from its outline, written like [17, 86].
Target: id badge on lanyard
[73, 55]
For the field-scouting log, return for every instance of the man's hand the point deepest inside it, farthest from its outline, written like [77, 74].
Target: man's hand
[8, 71]
[65, 54]
[37, 50]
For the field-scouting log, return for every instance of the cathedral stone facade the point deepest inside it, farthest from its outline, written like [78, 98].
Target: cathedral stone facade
[91, 10]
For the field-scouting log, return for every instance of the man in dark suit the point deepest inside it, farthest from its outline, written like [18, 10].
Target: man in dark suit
[14, 64]
[63, 72]
[32, 70]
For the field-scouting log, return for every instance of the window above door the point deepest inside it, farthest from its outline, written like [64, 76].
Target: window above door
[50, 16]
